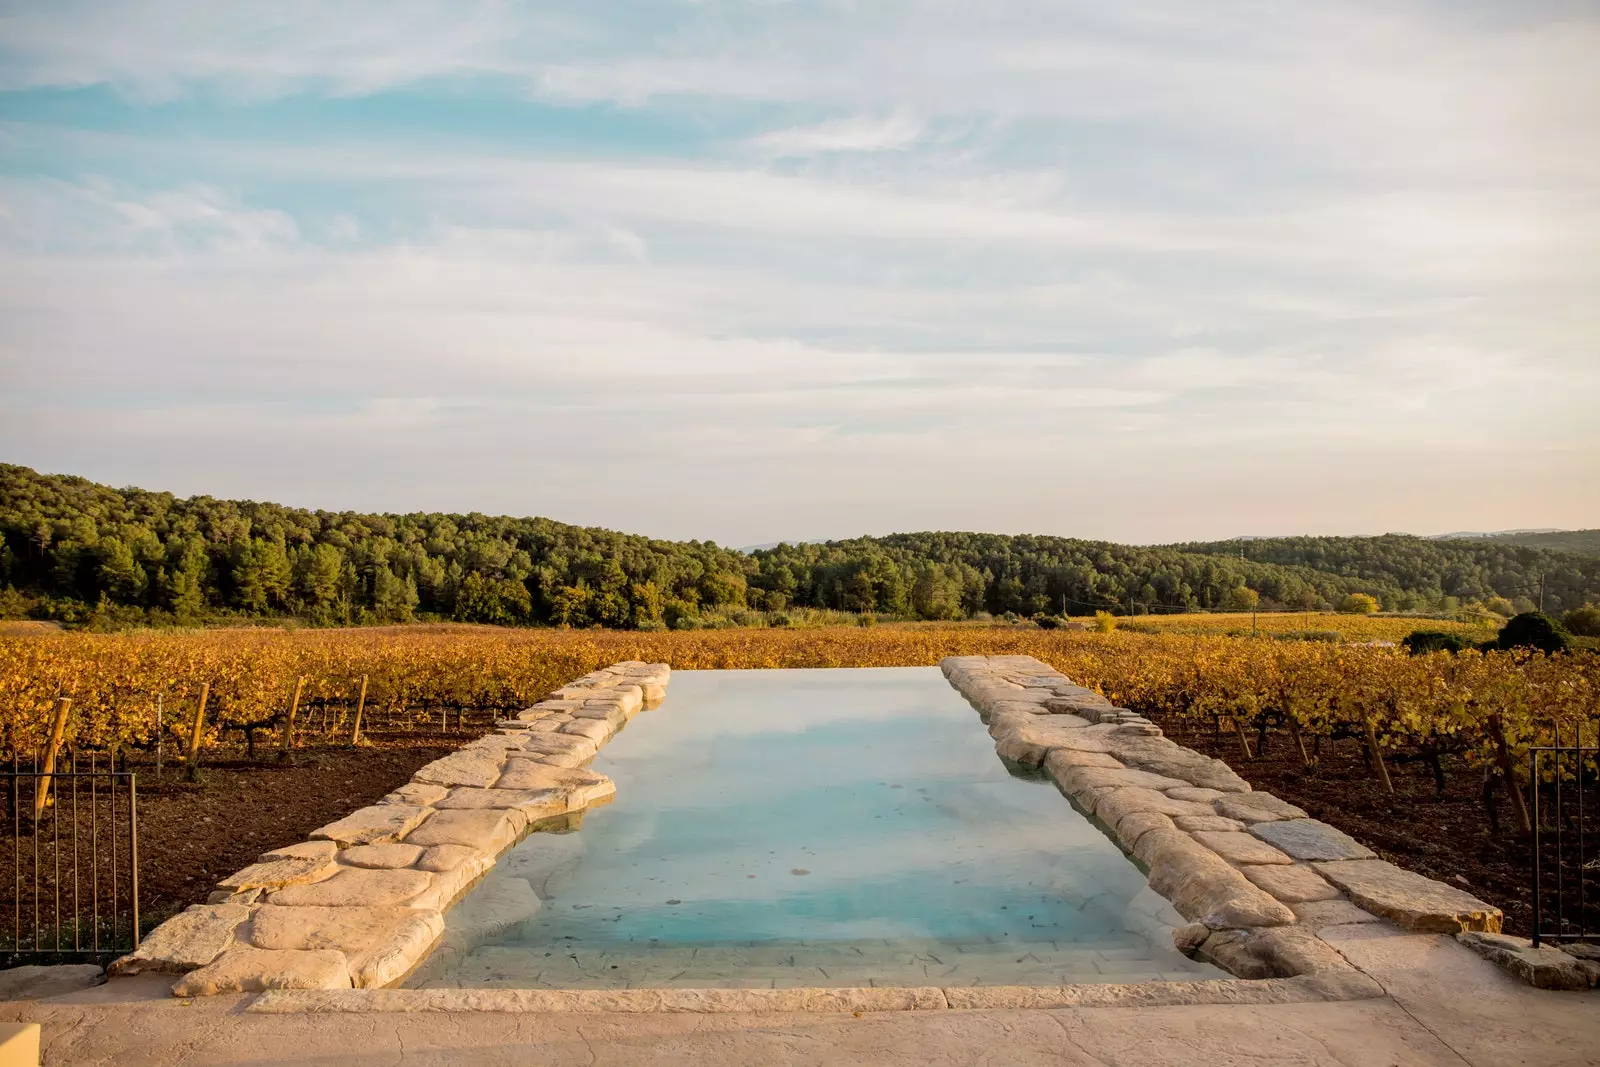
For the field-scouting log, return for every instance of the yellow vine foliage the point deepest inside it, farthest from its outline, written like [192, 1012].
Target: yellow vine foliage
[1438, 699]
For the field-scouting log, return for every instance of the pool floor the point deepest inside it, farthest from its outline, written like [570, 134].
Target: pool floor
[812, 828]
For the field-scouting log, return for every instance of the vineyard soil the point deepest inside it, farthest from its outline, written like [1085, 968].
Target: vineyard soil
[1444, 836]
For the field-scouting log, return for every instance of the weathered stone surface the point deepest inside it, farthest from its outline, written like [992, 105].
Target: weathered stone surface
[1077, 779]
[1308, 839]
[1162, 756]
[1189, 937]
[531, 803]
[380, 856]
[611, 714]
[37, 983]
[372, 826]
[355, 887]
[1415, 902]
[449, 884]
[461, 768]
[233, 896]
[301, 850]
[347, 929]
[564, 759]
[1335, 912]
[446, 857]
[192, 938]
[1112, 806]
[1240, 849]
[1543, 967]
[1295, 884]
[1060, 759]
[1195, 793]
[1280, 952]
[599, 730]
[274, 873]
[401, 948]
[1032, 741]
[1207, 822]
[1204, 888]
[1256, 807]
[1131, 827]
[417, 794]
[489, 830]
[584, 786]
[537, 745]
[654, 694]
[252, 970]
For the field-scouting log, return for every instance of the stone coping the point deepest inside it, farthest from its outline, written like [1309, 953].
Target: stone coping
[362, 902]
[1298, 990]
[1254, 874]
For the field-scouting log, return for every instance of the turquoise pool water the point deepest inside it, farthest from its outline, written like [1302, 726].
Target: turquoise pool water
[816, 827]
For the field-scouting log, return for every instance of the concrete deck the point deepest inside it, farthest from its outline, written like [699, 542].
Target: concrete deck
[1443, 1005]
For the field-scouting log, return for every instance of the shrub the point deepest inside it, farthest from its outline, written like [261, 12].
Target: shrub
[780, 618]
[1533, 629]
[1332, 637]
[866, 618]
[1047, 622]
[1582, 622]
[1421, 642]
[1359, 604]
[1104, 621]
[1500, 606]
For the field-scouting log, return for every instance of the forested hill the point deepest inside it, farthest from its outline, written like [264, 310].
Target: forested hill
[1396, 566]
[1581, 542]
[77, 551]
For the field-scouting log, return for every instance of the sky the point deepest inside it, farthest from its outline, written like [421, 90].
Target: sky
[750, 271]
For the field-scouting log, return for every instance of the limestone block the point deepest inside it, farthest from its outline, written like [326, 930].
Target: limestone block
[1281, 952]
[611, 714]
[450, 884]
[231, 896]
[1239, 849]
[1204, 888]
[1131, 827]
[530, 803]
[372, 826]
[1112, 806]
[1335, 912]
[1294, 884]
[400, 949]
[416, 794]
[1031, 740]
[1077, 779]
[380, 856]
[488, 830]
[537, 745]
[549, 724]
[1206, 822]
[598, 730]
[1194, 792]
[584, 786]
[1407, 898]
[461, 768]
[564, 759]
[1159, 755]
[1308, 839]
[446, 857]
[356, 887]
[243, 969]
[350, 930]
[274, 873]
[1544, 967]
[192, 938]
[301, 850]
[1252, 808]
[654, 693]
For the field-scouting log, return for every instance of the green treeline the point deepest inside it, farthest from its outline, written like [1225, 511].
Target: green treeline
[78, 551]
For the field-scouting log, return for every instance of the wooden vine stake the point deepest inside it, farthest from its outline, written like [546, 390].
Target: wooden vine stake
[1502, 759]
[1300, 741]
[361, 704]
[191, 756]
[58, 729]
[1244, 742]
[286, 740]
[1377, 757]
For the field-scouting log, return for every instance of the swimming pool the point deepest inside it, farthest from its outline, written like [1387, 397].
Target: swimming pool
[778, 828]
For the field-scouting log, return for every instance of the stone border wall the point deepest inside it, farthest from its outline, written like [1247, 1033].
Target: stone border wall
[362, 902]
[1254, 875]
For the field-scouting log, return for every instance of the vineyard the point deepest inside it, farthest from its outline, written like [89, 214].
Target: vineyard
[143, 690]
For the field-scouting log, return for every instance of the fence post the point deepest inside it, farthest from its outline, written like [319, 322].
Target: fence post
[41, 788]
[196, 731]
[286, 741]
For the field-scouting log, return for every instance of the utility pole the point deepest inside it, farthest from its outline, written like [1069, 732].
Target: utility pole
[1541, 594]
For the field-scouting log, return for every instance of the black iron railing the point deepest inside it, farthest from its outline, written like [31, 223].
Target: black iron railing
[69, 863]
[1566, 849]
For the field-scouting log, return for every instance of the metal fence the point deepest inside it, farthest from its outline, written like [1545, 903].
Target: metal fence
[1566, 849]
[69, 863]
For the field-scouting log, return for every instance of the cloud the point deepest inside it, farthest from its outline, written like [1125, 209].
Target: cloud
[858, 134]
